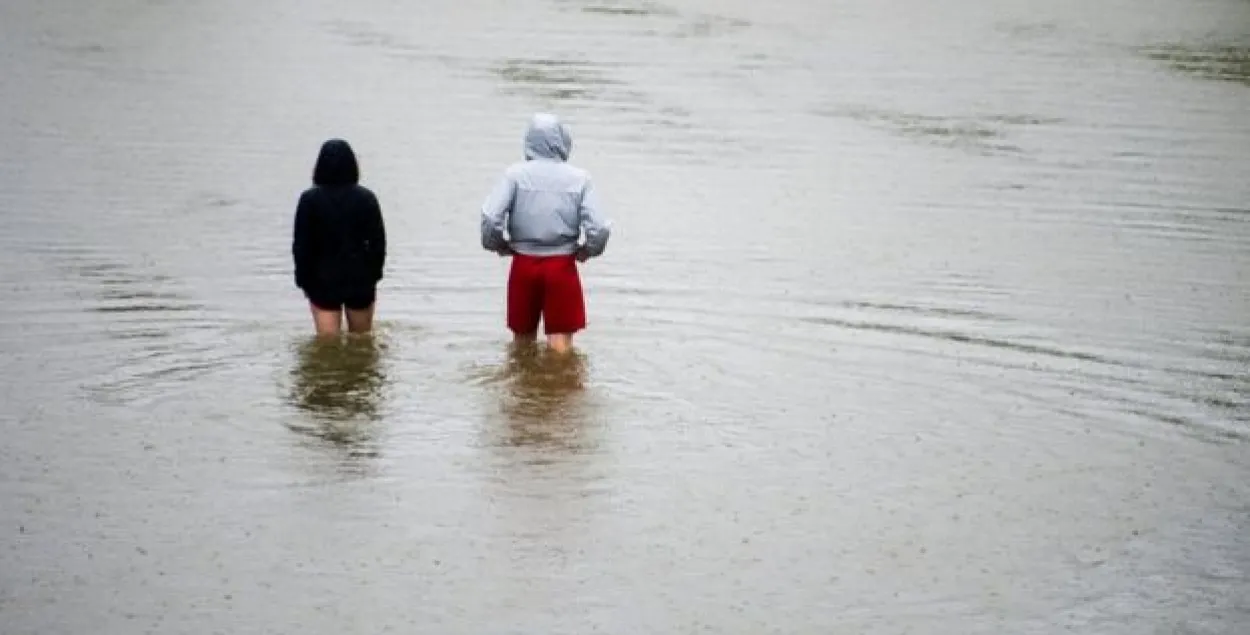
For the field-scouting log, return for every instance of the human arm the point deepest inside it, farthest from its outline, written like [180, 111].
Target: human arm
[595, 227]
[302, 242]
[495, 213]
[377, 238]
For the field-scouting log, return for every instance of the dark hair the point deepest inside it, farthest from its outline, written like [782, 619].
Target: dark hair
[336, 165]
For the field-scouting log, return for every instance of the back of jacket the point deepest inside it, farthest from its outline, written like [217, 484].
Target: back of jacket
[340, 239]
[543, 205]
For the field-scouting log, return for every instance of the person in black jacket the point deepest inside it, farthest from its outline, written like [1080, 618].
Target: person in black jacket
[339, 244]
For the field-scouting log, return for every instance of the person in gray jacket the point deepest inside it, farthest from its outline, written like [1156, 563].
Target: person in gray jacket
[545, 214]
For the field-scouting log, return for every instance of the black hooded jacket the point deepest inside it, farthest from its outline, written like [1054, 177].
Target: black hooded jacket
[339, 244]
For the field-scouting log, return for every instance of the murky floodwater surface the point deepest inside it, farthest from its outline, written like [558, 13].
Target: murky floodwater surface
[918, 318]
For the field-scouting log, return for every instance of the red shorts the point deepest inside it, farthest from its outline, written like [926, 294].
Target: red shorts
[545, 287]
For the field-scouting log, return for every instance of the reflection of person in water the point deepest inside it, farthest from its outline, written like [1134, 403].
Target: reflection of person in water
[339, 380]
[544, 401]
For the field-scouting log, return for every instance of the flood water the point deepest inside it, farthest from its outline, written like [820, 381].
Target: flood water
[918, 317]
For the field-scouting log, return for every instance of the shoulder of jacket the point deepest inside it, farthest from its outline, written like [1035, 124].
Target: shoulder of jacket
[581, 174]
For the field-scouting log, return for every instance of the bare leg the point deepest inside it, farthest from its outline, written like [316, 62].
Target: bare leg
[327, 322]
[524, 338]
[360, 320]
[560, 342]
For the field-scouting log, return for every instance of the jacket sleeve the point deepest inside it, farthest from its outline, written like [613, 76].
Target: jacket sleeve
[594, 225]
[377, 239]
[303, 242]
[495, 213]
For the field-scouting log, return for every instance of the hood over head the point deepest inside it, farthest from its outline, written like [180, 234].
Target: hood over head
[547, 138]
[336, 165]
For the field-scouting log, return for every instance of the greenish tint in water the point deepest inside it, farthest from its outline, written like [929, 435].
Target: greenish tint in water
[981, 133]
[340, 381]
[556, 80]
[543, 400]
[1220, 62]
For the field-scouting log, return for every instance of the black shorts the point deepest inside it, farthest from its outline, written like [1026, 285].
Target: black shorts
[356, 300]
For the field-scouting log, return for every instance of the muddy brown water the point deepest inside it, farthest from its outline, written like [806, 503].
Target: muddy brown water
[919, 318]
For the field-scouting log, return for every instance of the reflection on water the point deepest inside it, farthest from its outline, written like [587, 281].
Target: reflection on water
[556, 80]
[542, 401]
[643, 9]
[1222, 62]
[340, 382]
[986, 133]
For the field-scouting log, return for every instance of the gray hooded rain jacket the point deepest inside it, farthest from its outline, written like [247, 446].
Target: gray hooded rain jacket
[543, 205]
